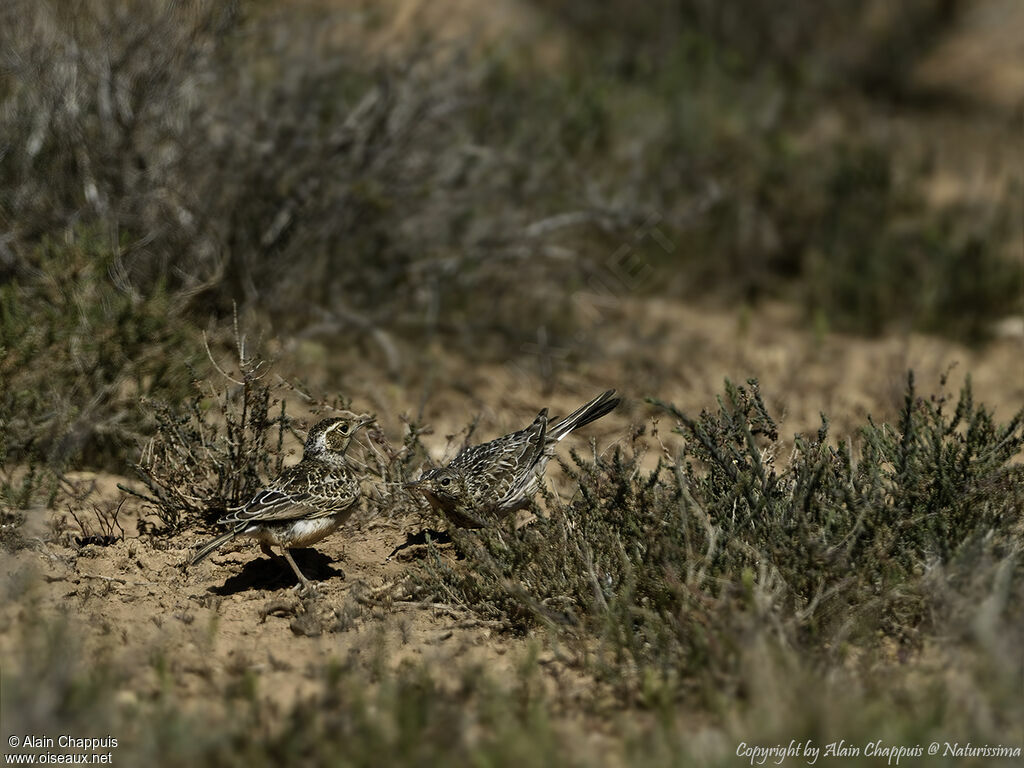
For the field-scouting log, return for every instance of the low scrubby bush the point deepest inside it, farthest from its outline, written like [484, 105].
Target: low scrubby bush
[672, 571]
[78, 350]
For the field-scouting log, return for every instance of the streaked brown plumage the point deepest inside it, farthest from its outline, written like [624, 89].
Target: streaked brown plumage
[494, 479]
[306, 502]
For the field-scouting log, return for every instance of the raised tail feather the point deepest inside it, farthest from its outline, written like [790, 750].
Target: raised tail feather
[210, 546]
[600, 406]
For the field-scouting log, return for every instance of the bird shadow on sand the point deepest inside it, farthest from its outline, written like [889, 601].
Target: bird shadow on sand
[415, 543]
[266, 574]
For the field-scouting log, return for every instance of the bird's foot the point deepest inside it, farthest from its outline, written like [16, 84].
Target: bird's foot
[306, 588]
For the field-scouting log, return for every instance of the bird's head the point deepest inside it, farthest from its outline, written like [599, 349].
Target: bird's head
[333, 435]
[444, 487]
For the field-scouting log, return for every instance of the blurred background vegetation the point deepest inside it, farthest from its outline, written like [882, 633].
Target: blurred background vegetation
[370, 174]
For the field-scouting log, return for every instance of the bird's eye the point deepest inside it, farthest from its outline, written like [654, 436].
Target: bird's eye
[344, 428]
[446, 481]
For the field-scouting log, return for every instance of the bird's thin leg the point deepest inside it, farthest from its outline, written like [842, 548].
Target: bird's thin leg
[265, 548]
[307, 585]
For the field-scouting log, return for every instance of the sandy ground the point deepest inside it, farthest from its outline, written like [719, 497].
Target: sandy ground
[236, 616]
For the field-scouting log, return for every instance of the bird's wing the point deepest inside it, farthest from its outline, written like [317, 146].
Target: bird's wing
[520, 490]
[336, 492]
[493, 469]
[299, 493]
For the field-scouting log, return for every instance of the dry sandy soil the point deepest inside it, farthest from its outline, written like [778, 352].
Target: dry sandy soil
[237, 611]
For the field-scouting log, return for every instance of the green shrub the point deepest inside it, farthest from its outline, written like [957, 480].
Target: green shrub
[214, 451]
[79, 349]
[673, 571]
[879, 254]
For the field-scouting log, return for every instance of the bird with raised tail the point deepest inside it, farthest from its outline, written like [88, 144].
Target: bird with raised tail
[494, 479]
